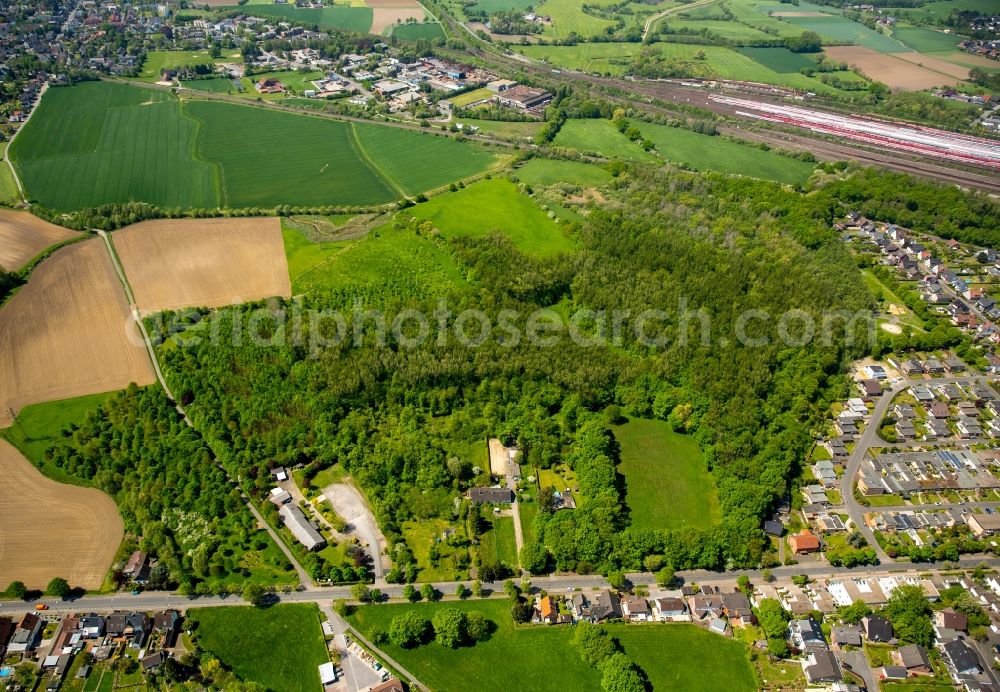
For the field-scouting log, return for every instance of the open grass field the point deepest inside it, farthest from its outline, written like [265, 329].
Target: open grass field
[294, 81]
[356, 19]
[69, 532]
[667, 484]
[844, 31]
[420, 536]
[939, 9]
[892, 70]
[23, 237]
[723, 29]
[707, 153]
[568, 17]
[507, 130]
[471, 96]
[599, 136]
[415, 32]
[203, 262]
[39, 426]
[67, 333]
[779, 59]
[551, 171]
[9, 192]
[491, 6]
[215, 85]
[925, 40]
[394, 262]
[495, 206]
[498, 545]
[103, 142]
[675, 657]
[157, 60]
[279, 647]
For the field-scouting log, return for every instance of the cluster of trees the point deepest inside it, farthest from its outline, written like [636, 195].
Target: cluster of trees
[136, 448]
[8, 282]
[806, 42]
[602, 651]
[773, 619]
[450, 627]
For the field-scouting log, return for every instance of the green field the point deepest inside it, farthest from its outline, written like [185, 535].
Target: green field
[600, 137]
[551, 171]
[568, 18]
[471, 97]
[39, 426]
[491, 6]
[9, 194]
[157, 60]
[415, 32]
[279, 647]
[707, 153]
[675, 657]
[723, 29]
[104, 142]
[925, 40]
[844, 31]
[667, 484]
[937, 10]
[398, 262]
[215, 85]
[778, 59]
[495, 206]
[293, 80]
[356, 19]
[504, 129]
[498, 545]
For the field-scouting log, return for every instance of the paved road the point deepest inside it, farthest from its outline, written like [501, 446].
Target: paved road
[869, 438]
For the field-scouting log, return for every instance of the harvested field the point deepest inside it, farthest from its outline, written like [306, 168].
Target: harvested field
[70, 532]
[203, 262]
[23, 236]
[67, 332]
[891, 69]
[385, 13]
[935, 64]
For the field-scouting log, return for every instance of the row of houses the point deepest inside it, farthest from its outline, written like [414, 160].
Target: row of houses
[106, 632]
[904, 473]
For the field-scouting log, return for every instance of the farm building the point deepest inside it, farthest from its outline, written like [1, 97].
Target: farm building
[303, 530]
[491, 496]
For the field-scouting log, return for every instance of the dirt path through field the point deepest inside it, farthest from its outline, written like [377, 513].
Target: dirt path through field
[49, 529]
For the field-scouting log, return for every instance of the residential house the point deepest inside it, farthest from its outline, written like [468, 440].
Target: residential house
[136, 567]
[875, 372]
[719, 626]
[491, 496]
[804, 542]
[806, 634]
[92, 626]
[152, 662]
[599, 607]
[703, 606]
[821, 666]
[668, 608]
[914, 659]
[26, 634]
[736, 607]
[635, 608]
[168, 624]
[951, 619]
[877, 629]
[870, 387]
[983, 524]
[546, 610]
[963, 659]
[279, 496]
[846, 635]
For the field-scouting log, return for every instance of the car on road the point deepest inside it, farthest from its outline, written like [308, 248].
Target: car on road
[41, 606]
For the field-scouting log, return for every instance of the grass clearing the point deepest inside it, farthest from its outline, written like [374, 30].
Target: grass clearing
[708, 153]
[843, 31]
[420, 537]
[527, 654]
[471, 96]
[885, 295]
[551, 171]
[600, 137]
[504, 129]
[414, 32]
[279, 647]
[568, 18]
[214, 85]
[495, 205]
[667, 484]
[159, 60]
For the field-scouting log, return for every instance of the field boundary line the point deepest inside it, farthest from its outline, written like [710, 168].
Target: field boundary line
[654, 20]
[359, 149]
[219, 175]
[10, 163]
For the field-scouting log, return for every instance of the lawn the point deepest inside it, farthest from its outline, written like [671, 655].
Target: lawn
[543, 172]
[417, 31]
[39, 426]
[708, 153]
[528, 510]
[667, 484]
[471, 96]
[420, 536]
[673, 656]
[499, 543]
[356, 19]
[601, 137]
[395, 262]
[103, 142]
[157, 60]
[279, 647]
[495, 205]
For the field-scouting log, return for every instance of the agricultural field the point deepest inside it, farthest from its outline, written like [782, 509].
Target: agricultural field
[356, 19]
[600, 137]
[9, 191]
[388, 13]
[707, 153]
[491, 6]
[203, 262]
[159, 60]
[23, 236]
[66, 333]
[937, 10]
[925, 40]
[528, 652]
[495, 205]
[415, 32]
[780, 60]
[103, 142]
[667, 483]
[892, 70]
[70, 532]
[568, 18]
[542, 172]
[728, 30]
[279, 647]
[214, 85]
[841, 30]
[390, 261]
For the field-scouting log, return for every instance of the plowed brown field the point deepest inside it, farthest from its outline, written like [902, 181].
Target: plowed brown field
[23, 236]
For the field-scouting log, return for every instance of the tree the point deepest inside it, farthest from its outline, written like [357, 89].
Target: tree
[253, 593]
[410, 593]
[743, 584]
[593, 643]
[461, 591]
[521, 611]
[772, 617]
[619, 674]
[477, 627]
[800, 579]
[449, 627]
[512, 590]
[17, 590]
[428, 592]
[407, 629]
[534, 557]
[58, 587]
[361, 592]
[617, 579]
[666, 576]
[477, 589]
[777, 647]
[910, 614]
[854, 613]
[767, 575]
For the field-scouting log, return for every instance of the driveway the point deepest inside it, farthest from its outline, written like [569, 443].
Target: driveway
[351, 506]
[856, 662]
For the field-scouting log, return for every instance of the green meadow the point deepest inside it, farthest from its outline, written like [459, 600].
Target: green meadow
[667, 483]
[356, 19]
[601, 137]
[551, 171]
